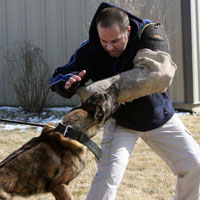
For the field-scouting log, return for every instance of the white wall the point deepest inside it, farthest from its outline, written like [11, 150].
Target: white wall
[58, 27]
[55, 26]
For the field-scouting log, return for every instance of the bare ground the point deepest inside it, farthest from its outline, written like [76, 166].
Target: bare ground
[147, 177]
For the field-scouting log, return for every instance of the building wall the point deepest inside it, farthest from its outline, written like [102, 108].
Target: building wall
[195, 38]
[58, 27]
[191, 55]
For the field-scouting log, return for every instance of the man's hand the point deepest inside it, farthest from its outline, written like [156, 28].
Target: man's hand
[74, 79]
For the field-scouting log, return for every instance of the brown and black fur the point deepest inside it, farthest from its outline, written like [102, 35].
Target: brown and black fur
[49, 162]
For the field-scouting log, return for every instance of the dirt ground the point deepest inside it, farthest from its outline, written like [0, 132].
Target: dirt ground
[147, 177]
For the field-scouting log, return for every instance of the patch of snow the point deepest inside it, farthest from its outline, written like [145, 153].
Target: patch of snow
[182, 113]
[65, 109]
[9, 108]
[53, 115]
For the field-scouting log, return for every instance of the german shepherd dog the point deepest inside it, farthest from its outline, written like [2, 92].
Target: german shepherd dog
[48, 163]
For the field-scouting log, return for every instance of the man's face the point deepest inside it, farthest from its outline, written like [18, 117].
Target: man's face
[113, 40]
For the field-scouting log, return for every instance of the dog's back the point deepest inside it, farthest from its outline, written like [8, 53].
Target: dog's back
[49, 162]
[53, 161]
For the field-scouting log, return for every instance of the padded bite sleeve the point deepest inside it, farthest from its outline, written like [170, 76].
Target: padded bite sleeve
[153, 69]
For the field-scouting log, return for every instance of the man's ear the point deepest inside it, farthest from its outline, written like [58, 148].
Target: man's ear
[129, 30]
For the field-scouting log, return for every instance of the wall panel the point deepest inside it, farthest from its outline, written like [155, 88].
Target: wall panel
[58, 27]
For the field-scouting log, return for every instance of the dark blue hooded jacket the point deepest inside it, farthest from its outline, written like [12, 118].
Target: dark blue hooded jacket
[143, 114]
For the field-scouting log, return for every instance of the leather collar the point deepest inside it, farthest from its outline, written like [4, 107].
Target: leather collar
[69, 132]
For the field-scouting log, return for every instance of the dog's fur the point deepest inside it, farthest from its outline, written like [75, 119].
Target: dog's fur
[49, 162]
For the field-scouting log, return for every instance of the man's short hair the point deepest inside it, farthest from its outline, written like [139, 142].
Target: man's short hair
[113, 15]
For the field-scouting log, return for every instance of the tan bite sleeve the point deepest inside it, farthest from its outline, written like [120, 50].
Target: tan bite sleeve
[153, 72]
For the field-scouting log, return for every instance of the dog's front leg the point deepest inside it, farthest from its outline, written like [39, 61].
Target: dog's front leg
[61, 192]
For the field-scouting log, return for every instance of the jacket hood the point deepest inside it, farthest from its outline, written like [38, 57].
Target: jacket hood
[135, 22]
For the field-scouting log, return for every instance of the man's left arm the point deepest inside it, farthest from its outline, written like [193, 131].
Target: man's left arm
[153, 69]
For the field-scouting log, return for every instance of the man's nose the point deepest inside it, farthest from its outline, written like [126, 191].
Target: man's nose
[109, 47]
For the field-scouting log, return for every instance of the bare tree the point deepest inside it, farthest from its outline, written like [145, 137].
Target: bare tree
[30, 75]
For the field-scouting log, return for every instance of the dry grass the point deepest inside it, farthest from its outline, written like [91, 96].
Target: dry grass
[147, 177]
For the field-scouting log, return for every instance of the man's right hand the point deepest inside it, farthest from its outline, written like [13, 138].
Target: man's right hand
[74, 79]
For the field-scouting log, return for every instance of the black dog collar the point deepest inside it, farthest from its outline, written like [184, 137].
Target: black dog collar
[69, 132]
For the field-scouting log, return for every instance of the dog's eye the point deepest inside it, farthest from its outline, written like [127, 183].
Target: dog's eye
[106, 97]
[99, 114]
[92, 109]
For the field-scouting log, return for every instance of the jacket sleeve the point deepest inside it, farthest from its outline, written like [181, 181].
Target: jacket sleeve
[153, 69]
[78, 62]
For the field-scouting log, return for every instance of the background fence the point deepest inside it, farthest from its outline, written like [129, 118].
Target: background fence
[59, 26]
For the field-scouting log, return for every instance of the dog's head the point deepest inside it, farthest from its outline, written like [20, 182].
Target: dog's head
[93, 113]
[100, 105]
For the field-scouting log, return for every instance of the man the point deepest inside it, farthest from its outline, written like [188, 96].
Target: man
[115, 38]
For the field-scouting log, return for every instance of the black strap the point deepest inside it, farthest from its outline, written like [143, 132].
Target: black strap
[20, 122]
[69, 132]
[154, 37]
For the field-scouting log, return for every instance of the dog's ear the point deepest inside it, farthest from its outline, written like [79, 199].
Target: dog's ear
[47, 129]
